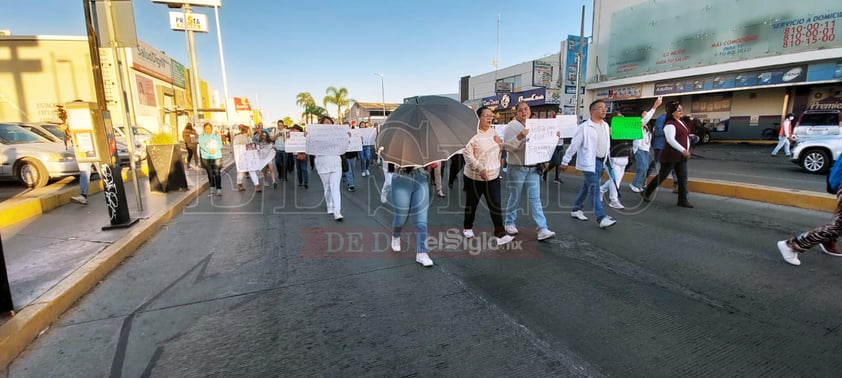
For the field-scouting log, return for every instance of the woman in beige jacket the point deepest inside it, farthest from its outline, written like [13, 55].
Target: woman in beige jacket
[482, 176]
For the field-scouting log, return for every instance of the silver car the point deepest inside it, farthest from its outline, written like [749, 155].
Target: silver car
[817, 154]
[32, 159]
[54, 133]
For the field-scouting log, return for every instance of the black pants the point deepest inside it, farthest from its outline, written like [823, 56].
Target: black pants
[213, 167]
[492, 192]
[457, 162]
[680, 168]
[191, 152]
[281, 164]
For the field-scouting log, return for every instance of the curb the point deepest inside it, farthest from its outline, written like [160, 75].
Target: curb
[16, 211]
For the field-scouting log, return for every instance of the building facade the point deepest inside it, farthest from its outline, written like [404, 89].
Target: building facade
[738, 66]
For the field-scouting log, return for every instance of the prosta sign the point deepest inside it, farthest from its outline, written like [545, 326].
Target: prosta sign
[195, 21]
[197, 3]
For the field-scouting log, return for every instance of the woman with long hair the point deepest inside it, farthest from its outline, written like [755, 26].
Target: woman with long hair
[674, 156]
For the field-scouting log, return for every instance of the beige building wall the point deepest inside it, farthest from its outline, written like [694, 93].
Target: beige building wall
[37, 73]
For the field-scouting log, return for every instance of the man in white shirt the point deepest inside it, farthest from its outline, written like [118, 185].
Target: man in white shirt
[591, 144]
[784, 136]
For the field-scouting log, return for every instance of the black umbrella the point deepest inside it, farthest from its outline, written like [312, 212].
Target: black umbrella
[425, 130]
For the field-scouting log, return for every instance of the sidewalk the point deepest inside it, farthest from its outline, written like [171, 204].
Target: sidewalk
[55, 254]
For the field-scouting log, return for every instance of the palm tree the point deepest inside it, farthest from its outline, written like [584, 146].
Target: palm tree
[304, 99]
[338, 97]
[313, 110]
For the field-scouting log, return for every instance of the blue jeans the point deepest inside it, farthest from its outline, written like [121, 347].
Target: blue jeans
[641, 159]
[783, 141]
[303, 174]
[365, 160]
[591, 188]
[411, 196]
[349, 176]
[281, 164]
[518, 177]
[85, 177]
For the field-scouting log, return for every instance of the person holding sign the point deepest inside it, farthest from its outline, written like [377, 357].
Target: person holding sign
[243, 138]
[641, 147]
[482, 176]
[674, 156]
[522, 175]
[330, 171]
[591, 144]
[210, 152]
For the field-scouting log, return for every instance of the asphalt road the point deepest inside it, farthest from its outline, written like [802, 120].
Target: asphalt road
[271, 286]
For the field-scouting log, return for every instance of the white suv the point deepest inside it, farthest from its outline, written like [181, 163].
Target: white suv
[818, 122]
[816, 154]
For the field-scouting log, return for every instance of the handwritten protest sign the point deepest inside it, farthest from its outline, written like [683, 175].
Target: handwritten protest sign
[368, 135]
[567, 125]
[541, 140]
[626, 128]
[327, 140]
[356, 142]
[297, 142]
[253, 156]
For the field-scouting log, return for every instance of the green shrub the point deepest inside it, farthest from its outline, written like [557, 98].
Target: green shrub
[162, 138]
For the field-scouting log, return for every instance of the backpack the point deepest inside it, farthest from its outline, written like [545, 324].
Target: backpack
[834, 177]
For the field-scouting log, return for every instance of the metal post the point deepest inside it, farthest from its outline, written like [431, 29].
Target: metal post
[6, 304]
[383, 94]
[579, 57]
[194, 65]
[118, 55]
[222, 62]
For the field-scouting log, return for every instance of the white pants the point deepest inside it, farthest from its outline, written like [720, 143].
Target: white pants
[331, 181]
[252, 174]
[387, 183]
[619, 164]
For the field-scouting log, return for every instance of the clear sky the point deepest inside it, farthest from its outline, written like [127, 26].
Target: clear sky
[275, 49]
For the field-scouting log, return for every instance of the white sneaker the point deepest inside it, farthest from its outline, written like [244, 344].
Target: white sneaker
[635, 189]
[510, 229]
[468, 233]
[616, 205]
[362, 174]
[79, 199]
[396, 244]
[788, 254]
[606, 222]
[544, 234]
[503, 240]
[337, 216]
[383, 198]
[578, 214]
[367, 172]
[423, 259]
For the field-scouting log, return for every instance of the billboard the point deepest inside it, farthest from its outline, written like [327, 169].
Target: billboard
[542, 73]
[681, 35]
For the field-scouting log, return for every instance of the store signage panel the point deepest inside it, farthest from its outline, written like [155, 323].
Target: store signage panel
[634, 48]
[771, 76]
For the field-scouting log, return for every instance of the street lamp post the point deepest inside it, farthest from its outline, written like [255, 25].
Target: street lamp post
[382, 93]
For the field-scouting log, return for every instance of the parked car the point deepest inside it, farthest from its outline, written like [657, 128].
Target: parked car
[141, 138]
[31, 159]
[818, 122]
[54, 133]
[817, 154]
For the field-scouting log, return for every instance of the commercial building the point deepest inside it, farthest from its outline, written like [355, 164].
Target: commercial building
[739, 66]
[39, 72]
[547, 84]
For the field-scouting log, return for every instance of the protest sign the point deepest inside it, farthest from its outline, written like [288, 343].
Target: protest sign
[252, 156]
[296, 142]
[368, 135]
[541, 140]
[567, 125]
[356, 143]
[327, 140]
[500, 129]
[626, 128]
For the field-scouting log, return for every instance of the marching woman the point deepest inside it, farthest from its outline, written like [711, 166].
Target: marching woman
[330, 171]
[674, 156]
[482, 176]
[210, 151]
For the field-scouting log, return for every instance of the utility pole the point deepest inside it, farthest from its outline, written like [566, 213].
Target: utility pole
[579, 56]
